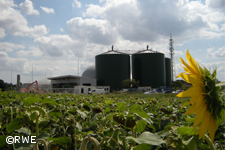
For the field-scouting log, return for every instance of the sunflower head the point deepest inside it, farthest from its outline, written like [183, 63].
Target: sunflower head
[211, 93]
[205, 101]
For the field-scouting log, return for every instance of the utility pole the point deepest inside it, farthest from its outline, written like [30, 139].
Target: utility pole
[172, 58]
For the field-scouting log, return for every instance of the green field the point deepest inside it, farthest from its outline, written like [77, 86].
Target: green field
[125, 121]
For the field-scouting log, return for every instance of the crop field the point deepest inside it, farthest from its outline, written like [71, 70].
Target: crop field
[108, 122]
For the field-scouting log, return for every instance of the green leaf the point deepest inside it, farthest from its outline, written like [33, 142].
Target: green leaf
[40, 110]
[149, 120]
[222, 120]
[187, 130]
[49, 101]
[56, 114]
[2, 140]
[24, 130]
[191, 144]
[143, 147]
[94, 118]
[79, 126]
[44, 136]
[147, 138]
[141, 126]
[121, 106]
[82, 114]
[31, 100]
[137, 109]
[60, 140]
[108, 102]
[190, 119]
[16, 123]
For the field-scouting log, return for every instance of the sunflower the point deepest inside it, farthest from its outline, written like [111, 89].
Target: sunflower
[205, 101]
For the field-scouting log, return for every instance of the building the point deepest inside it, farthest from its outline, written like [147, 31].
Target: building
[68, 82]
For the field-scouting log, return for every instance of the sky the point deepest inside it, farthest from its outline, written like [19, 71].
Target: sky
[49, 37]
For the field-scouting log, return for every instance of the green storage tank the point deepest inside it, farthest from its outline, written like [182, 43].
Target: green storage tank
[168, 72]
[148, 67]
[112, 68]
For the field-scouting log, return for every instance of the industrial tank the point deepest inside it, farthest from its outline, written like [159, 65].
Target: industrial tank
[148, 67]
[112, 68]
[168, 72]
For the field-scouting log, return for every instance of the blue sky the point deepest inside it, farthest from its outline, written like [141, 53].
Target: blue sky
[54, 34]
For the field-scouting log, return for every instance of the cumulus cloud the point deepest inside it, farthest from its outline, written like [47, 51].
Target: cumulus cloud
[76, 3]
[220, 53]
[28, 8]
[216, 4]
[15, 23]
[48, 10]
[9, 47]
[7, 62]
[58, 45]
[2, 33]
[32, 51]
[61, 29]
[91, 30]
[149, 21]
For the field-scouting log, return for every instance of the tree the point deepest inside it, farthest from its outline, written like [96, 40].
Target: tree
[177, 83]
[2, 85]
[130, 83]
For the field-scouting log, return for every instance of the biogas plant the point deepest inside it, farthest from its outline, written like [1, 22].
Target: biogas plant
[149, 67]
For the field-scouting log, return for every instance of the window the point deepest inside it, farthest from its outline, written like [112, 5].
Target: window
[82, 90]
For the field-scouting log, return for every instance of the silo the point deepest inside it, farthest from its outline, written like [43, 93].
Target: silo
[168, 72]
[148, 67]
[112, 68]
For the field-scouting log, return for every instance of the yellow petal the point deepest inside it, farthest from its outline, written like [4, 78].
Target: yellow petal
[185, 104]
[188, 93]
[189, 78]
[195, 97]
[212, 128]
[191, 109]
[192, 62]
[199, 115]
[204, 125]
[200, 101]
[188, 67]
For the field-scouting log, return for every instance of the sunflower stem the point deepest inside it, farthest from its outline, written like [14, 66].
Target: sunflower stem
[208, 140]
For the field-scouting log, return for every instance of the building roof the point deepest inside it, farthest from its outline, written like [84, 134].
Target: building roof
[89, 72]
[64, 77]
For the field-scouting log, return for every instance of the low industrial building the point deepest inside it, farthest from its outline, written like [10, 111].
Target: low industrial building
[68, 82]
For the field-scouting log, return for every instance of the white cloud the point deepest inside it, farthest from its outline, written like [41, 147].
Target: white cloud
[7, 62]
[216, 4]
[61, 29]
[222, 27]
[15, 23]
[9, 47]
[220, 53]
[28, 8]
[91, 30]
[33, 51]
[58, 45]
[151, 20]
[48, 10]
[2, 33]
[76, 3]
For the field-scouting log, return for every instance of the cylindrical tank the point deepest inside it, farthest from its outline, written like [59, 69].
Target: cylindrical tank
[168, 72]
[112, 68]
[148, 67]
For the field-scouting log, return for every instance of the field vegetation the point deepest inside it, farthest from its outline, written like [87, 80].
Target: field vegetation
[108, 122]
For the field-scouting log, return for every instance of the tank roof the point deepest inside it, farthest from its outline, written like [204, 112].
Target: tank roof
[146, 51]
[113, 52]
[89, 72]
